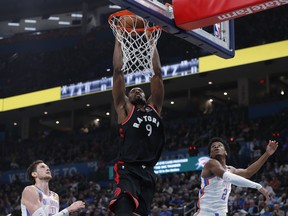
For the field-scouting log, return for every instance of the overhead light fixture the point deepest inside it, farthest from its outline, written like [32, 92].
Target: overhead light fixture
[13, 24]
[63, 23]
[76, 15]
[30, 21]
[114, 7]
[1, 38]
[53, 18]
[210, 83]
[30, 29]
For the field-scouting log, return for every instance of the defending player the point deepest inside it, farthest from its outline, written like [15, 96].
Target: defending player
[217, 177]
[38, 199]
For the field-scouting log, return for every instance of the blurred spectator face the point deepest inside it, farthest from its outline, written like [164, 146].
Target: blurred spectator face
[164, 208]
[155, 211]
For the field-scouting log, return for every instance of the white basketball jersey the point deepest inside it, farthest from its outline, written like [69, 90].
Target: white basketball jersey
[213, 196]
[50, 203]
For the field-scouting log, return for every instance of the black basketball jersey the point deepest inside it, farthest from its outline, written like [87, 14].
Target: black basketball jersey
[141, 137]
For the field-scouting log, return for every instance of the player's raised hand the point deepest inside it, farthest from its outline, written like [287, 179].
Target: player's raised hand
[271, 147]
[265, 193]
[76, 206]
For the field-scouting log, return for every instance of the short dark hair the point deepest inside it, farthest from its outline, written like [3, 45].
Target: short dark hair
[32, 168]
[218, 139]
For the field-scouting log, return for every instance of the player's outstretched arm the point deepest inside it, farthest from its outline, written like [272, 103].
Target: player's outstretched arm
[119, 90]
[243, 182]
[157, 87]
[76, 206]
[253, 168]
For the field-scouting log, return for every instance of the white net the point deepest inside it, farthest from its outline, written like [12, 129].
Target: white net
[138, 38]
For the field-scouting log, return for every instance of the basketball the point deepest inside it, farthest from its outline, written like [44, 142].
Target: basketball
[131, 21]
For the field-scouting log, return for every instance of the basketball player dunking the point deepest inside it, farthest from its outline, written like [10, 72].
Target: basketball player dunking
[141, 140]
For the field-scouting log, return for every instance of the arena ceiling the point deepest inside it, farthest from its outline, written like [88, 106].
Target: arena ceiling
[39, 11]
[17, 9]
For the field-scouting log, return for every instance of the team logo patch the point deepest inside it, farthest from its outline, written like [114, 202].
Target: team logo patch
[117, 192]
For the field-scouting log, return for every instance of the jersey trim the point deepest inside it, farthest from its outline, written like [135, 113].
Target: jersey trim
[129, 116]
[150, 105]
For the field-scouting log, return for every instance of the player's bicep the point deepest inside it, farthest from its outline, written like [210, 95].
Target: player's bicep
[240, 172]
[30, 198]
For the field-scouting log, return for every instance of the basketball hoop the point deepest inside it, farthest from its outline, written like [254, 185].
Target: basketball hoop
[138, 38]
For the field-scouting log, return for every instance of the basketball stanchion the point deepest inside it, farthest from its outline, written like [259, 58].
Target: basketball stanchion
[138, 38]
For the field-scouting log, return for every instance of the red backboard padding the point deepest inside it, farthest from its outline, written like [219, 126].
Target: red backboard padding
[192, 14]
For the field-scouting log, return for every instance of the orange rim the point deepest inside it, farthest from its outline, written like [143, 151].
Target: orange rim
[125, 13]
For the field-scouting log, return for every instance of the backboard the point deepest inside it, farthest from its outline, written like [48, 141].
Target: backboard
[219, 41]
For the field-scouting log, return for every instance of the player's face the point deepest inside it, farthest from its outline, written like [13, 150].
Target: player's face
[43, 172]
[216, 149]
[137, 96]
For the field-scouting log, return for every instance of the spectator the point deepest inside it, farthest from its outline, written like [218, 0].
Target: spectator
[253, 208]
[277, 211]
[165, 211]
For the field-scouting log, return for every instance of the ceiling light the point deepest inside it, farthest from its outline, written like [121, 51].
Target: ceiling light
[76, 15]
[63, 23]
[15, 123]
[107, 113]
[210, 83]
[30, 21]
[282, 92]
[13, 24]
[225, 93]
[88, 105]
[45, 113]
[30, 29]
[172, 102]
[57, 122]
[1, 38]
[53, 18]
[210, 100]
[114, 7]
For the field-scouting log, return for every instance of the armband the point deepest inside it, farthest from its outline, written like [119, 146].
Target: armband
[240, 181]
[64, 212]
